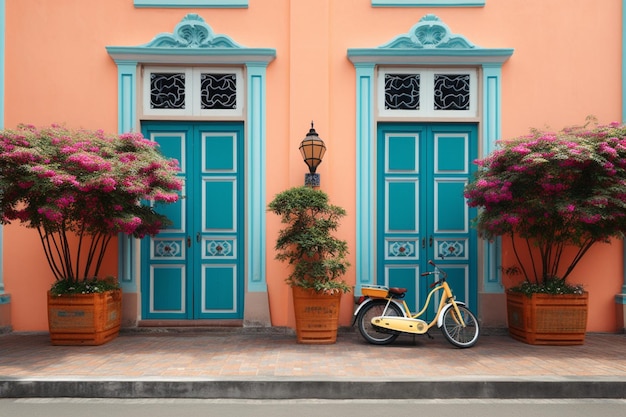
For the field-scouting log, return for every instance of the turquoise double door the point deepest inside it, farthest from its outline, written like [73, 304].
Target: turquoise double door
[194, 268]
[421, 211]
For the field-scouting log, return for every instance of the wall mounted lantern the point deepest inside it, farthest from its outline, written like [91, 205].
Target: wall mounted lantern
[312, 149]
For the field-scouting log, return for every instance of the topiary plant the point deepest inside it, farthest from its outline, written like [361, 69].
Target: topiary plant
[318, 258]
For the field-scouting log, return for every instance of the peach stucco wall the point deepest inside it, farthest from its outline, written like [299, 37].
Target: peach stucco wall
[566, 66]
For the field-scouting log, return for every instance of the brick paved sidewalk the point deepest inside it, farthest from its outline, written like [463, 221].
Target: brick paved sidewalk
[271, 354]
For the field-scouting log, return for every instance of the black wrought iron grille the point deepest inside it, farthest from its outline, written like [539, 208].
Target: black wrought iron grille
[452, 92]
[167, 90]
[218, 91]
[402, 91]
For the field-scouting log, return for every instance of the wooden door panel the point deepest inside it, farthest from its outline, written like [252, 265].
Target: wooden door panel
[422, 171]
[168, 290]
[219, 292]
[402, 202]
[219, 202]
[193, 269]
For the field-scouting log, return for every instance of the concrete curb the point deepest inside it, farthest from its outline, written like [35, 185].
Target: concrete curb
[318, 389]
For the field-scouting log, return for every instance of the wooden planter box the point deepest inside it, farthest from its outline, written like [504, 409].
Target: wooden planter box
[544, 319]
[84, 319]
[317, 316]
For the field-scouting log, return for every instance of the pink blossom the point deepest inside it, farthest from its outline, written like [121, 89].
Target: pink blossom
[590, 219]
[604, 147]
[70, 149]
[483, 183]
[127, 157]
[521, 149]
[22, 157]
[89, 162]
[511, 219]
[50, 214]
[64, 179]
[553, 188]
[65, 201]
[128, 226]
[108, 184]
[175, 184]
[519, 168]
[609, 167]
[92, 179]
[166, 197]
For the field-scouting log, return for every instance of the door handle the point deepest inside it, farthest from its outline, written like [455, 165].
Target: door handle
[198, 237]
[188, 242]
[430, 242]
[423, 242]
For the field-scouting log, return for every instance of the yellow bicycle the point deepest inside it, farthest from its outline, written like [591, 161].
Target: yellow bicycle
[382, 314]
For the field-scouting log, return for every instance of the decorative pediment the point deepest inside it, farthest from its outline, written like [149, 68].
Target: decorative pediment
[192, 42]
[429, 33]
[192, 32]
[429, 42]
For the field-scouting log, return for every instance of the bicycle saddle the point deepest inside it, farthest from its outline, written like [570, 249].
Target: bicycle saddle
[397, 292]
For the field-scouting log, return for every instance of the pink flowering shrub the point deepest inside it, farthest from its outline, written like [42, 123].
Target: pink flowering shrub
[553, 190]
[83, 186]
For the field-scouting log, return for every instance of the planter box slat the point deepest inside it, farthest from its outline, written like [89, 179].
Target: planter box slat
[84, 319]
[544, 319]
[317, 316]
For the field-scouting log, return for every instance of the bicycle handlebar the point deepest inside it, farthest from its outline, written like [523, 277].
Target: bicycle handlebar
[437, 270]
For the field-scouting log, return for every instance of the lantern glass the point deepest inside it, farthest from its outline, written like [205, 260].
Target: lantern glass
[312, 149]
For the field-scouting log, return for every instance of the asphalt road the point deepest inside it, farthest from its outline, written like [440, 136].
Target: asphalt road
[69, 407]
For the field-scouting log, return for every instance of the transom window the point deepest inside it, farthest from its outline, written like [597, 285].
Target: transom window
[199, 91]
[443, 93]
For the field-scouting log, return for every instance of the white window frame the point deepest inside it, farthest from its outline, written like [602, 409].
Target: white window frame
[427, 90]
[192, 92]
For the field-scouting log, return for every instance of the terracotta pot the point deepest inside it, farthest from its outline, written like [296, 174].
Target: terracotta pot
[317, 316]
[84, 319]
[544, 319]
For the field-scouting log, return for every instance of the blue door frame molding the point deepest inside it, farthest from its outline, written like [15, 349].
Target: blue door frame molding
[429, 42]
[4, 298]
[621, 298]
[194, 42]
[227, 4]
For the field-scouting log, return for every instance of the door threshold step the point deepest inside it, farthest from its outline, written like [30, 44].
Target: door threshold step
[190, 323]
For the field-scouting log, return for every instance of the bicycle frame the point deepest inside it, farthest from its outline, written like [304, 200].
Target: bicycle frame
[382, 315]
[411, 323]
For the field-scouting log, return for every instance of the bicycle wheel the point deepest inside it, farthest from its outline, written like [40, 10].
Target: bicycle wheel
[454, 331]
[374, 334]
